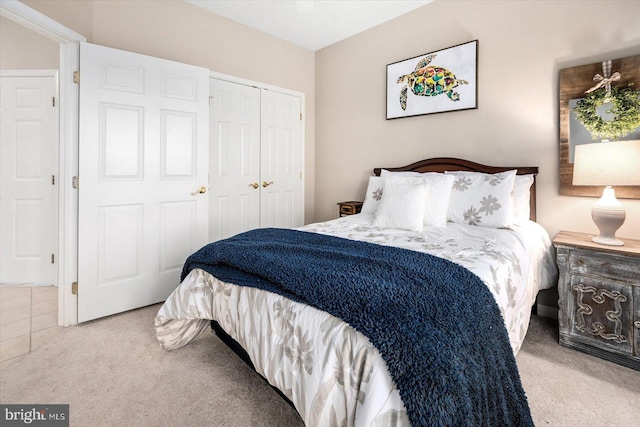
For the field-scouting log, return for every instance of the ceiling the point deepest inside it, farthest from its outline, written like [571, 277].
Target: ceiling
[312, 24]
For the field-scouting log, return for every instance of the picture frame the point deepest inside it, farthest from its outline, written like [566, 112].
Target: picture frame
[435, 82]
[573, 82]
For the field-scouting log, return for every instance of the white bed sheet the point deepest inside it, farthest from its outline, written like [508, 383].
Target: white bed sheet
[514, 263]
[332, 373]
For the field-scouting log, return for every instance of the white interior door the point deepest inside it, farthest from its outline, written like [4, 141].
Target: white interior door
[235, 158]
[143, 157]
[28, 172]
[282, 186]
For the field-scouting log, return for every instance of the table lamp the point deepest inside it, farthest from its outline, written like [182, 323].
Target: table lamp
[609, 164]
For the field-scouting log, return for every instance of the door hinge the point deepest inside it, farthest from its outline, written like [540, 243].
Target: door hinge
[53, 180]
[300, 116]
[76, 77]
[74, 288]
[53, 259]
[53, 101]
[75, 182]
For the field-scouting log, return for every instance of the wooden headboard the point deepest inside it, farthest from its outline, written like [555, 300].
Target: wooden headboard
[442, 164]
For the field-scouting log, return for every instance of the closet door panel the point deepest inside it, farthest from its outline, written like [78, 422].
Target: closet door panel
[282, 203]
[235, 158]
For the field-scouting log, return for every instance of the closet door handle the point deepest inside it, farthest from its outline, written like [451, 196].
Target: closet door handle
[255, 185]
[200, 190]
[266, 184]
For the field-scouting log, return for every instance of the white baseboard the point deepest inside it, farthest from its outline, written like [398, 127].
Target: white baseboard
[30, 284]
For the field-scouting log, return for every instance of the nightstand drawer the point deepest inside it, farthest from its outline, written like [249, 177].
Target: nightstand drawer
[349, 208]
[613, 266]
[601, 313]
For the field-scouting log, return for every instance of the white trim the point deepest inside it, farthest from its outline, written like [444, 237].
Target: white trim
[240, 80]
[303, 166]
[68, 204]
[38, 22]
[68, 147]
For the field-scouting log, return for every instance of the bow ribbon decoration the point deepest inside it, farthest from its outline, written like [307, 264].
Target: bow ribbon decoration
[606, 80]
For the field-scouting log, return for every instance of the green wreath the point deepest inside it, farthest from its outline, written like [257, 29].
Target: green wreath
[625, 106]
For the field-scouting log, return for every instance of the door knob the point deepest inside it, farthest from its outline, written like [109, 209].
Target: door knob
[266, 184]
[200, 190]
[254, 185]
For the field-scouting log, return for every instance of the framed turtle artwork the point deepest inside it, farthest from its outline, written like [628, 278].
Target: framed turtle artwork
[434, 82]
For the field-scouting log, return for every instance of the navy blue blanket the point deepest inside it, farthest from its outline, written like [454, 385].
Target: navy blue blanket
[435, 323]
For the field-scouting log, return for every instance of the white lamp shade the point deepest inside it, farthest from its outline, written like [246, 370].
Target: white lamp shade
[607, 163]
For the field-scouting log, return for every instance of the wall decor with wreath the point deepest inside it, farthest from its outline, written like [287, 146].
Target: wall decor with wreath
[598, 102]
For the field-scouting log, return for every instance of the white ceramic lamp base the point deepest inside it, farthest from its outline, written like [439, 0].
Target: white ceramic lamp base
[608, 214]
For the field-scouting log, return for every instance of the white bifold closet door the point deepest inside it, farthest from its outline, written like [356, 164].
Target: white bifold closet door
[143, 177]
[256, 159]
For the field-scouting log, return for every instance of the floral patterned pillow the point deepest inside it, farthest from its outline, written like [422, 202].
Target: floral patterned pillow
[373, 196]
[482, 199]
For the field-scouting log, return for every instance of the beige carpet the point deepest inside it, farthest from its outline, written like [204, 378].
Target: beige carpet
[113, 373]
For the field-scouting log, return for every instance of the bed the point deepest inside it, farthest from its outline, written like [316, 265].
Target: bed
[345, 319]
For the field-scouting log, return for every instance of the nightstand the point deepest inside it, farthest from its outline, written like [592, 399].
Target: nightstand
[349, 208]
[599, 297]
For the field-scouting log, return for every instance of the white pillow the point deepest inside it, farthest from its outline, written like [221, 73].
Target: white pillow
[482, 199]
[521, 197]
[375, 191]
[373, 196]
[402, 206]
[437, 206]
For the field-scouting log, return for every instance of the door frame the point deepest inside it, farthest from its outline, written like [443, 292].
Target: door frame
[259, 85]
[69, 42]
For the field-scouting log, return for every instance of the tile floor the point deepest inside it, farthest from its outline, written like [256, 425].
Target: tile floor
[28, 318]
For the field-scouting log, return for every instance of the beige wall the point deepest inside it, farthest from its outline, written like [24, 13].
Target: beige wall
[522, 46]
[178, 31]
[23, 49]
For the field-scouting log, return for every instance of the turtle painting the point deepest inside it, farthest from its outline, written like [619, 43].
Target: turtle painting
[429, 80]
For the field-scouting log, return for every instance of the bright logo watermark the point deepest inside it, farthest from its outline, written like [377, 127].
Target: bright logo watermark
[35, 415]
